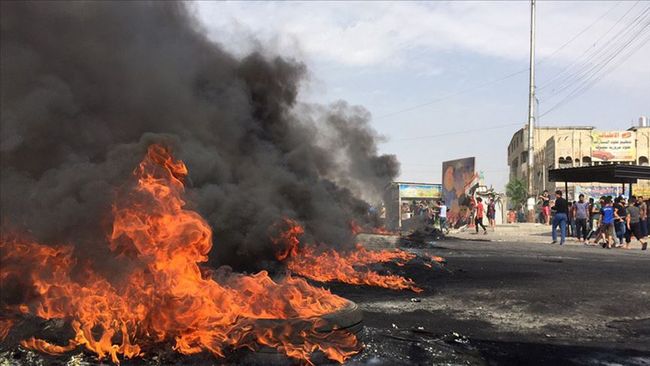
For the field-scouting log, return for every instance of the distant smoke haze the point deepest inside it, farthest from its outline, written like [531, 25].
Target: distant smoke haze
[87, 86]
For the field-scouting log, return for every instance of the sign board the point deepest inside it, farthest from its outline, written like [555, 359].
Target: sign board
[596, 192]
[407, 190]
[613, 146]
[459, 180]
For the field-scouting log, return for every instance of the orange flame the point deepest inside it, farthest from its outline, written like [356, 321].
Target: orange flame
[167, 298]
[325, 265]
[358, 229]
[5, 327]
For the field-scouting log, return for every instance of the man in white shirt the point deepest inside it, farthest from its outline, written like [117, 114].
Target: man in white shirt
[442, 215]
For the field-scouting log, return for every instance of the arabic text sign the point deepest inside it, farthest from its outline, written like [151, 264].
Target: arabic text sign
[613, 146]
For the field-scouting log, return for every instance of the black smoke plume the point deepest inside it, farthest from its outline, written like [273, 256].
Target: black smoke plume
[87, 86]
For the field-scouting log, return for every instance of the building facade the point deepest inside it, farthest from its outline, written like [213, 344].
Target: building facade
[574, 146]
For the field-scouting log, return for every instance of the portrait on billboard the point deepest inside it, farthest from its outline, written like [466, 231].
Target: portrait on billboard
[459, 181]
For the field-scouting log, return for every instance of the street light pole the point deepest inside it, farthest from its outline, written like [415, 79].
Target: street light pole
[531, 101]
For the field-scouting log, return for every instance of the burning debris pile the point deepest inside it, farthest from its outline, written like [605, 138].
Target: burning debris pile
[166, 296]
[129, 263]
[324, 264]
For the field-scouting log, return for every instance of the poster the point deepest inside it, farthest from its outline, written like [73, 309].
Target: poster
[407, 190]
[459, 181]
[613, 146]
[596, 191]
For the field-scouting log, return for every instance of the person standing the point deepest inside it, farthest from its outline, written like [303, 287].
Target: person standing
[571, 223]
[633, 220]
[491, 213]
[478, 219]
[546, 206]
[581, 214]
[643, 214]
[442, 216]
[561, 209]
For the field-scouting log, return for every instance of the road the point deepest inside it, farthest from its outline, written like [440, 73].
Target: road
[509, 303]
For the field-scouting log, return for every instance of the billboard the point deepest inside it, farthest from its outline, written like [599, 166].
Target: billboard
[597, 191]
[410, 190]
[613, 146]
[459, 181]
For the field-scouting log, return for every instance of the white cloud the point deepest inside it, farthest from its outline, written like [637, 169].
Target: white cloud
[387, 34]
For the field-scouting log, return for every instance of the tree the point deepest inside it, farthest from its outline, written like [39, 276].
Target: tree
[517, 192]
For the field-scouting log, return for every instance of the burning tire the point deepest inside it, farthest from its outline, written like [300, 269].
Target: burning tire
[348, 319]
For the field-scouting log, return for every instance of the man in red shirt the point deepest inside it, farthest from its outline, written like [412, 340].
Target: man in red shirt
[478, 220]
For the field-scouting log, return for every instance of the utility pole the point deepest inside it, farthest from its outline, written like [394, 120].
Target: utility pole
[531, 102]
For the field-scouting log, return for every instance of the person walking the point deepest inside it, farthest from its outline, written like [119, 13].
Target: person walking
[620, 213]
[594, 209]
[581, 214]
[607, 216]
[546, 206]
[478, 218]
[632, 221]
[561, 210]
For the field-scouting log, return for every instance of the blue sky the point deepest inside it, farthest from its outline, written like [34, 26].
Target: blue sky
[393, 56]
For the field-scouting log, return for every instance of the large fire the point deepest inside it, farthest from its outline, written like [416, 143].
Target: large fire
[324, 264]
[167, 298]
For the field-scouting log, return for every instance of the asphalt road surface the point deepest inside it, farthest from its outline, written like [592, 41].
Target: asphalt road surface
[512, 304]
[494, 303]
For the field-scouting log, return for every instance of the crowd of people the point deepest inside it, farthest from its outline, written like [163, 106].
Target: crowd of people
[432, 213]
[611, 221]
[435, 213]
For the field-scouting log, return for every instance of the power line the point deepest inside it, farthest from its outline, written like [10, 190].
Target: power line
[628, 33]
[453, 94]
[505, 77]
[580, 33]
[458, 132]
[596, 78]
[586, 51]
[596, 73]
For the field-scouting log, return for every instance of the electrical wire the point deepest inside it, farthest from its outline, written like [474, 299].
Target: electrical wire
[596, 78]
[605, 53]
[458, 132]
[508, 76]
[586, 51]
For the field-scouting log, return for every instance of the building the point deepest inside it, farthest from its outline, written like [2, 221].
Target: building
[572, 146]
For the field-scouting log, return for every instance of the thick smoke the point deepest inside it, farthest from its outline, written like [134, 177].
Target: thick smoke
[87, 86]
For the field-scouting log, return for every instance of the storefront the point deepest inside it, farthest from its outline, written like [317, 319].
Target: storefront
[404, 200]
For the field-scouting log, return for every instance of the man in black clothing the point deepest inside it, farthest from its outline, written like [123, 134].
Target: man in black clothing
[560, 218]
[619, 223]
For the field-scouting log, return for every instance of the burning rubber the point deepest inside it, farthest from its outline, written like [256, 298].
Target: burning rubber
[167, 299]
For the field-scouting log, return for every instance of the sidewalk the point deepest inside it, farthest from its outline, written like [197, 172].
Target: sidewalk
[524, 232]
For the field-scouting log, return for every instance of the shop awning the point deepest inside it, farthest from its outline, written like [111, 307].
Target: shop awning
[610, 173]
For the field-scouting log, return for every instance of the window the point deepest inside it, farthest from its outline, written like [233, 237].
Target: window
[643, 161]
[586, 160]
[565, 162]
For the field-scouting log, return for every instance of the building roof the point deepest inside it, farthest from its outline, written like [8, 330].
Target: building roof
[611, 173]
[566, 127]
[417, 183]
